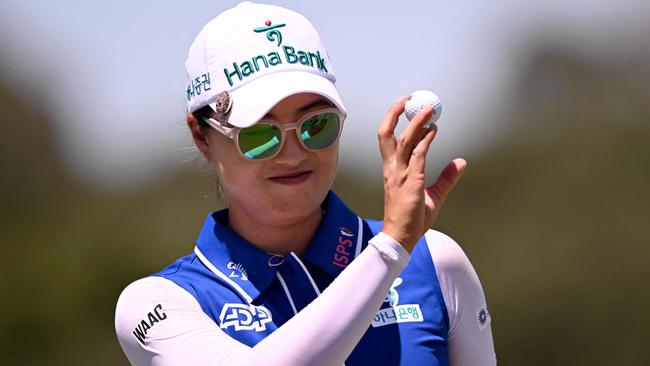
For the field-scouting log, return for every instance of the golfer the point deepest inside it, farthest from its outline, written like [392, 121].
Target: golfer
[288, 274]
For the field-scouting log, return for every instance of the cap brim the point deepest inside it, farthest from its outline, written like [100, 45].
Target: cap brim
[255, 99]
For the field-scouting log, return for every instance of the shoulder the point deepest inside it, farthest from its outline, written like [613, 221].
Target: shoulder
[148, 309]
[151, 288]
[158, 322]
[149, 295]
[459, 283]
[165, 285]
[437, 249]
[469, 334]
[446, 254]
[148, 301]
[453, 268]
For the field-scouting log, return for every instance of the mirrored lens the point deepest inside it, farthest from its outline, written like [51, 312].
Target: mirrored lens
[321, 130]
[259, 141]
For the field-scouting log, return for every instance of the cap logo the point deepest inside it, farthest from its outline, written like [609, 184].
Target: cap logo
[272, 34]
[285, 54]
[222, 105]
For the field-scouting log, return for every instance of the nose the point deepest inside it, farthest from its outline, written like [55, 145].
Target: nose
[292, 152]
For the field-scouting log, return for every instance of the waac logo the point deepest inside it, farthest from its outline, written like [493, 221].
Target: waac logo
[271, 31]
[155, 316]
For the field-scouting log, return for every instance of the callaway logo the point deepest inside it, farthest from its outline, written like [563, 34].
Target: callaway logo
[244, 317]
[271, 32]
[238, 271]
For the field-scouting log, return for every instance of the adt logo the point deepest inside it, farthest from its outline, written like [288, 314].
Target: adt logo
[244, 317]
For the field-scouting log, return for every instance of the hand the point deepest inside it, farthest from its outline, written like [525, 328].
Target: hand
[409, 208]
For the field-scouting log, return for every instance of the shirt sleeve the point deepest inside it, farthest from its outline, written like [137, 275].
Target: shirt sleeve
[470, 334]
[182, 334]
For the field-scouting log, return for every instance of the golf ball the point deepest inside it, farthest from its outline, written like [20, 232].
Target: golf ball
[420, 99]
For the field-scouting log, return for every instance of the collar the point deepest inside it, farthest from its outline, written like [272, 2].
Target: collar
[244, 267]
[339, 237]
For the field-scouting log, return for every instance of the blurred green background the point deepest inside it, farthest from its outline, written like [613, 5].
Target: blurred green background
[554, 217]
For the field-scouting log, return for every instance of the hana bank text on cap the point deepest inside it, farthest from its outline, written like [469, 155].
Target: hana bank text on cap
[252, 56]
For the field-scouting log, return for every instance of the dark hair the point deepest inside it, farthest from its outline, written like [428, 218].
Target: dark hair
[202, 114]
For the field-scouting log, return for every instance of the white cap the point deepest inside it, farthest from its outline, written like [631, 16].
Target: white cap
[252, 56]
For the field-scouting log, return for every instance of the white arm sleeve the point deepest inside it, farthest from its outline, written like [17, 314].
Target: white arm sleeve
[470, 335]
[320, 334]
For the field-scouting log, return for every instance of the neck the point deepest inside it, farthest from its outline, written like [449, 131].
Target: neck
[276, 238]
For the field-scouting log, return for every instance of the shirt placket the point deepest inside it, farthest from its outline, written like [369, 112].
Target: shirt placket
[300, 288]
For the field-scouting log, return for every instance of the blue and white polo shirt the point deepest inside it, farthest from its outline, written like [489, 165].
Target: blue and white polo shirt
[226, 274]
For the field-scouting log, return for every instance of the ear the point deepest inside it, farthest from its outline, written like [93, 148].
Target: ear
[200, 137]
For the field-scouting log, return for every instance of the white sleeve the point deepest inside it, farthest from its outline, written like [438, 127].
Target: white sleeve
[470, 335]
[320, 334]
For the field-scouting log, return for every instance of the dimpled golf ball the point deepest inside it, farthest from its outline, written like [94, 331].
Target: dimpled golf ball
[420, 99]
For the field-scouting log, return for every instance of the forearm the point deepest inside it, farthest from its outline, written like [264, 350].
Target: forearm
[320, 334]
[326, 331]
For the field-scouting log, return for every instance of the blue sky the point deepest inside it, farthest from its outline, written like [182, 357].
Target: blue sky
[112, 73]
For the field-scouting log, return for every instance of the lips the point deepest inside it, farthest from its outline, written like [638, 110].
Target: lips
[291, 178]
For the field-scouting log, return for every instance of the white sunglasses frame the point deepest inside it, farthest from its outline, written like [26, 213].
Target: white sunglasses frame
[232, 132]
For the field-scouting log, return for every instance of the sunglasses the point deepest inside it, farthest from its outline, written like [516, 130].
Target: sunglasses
[264, 140]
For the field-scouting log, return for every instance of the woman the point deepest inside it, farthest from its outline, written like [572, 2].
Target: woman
[288, 275]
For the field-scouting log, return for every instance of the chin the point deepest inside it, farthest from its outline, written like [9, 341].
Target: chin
[293, 208]
[281, 205]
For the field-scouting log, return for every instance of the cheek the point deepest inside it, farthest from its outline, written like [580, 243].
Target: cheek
[230, 166]
[332, 161]
[240, 184]
[327, 167]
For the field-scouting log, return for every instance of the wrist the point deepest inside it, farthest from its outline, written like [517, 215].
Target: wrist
[390, 249]
[399, 236]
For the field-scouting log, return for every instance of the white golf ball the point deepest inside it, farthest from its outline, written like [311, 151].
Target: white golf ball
[420, 99]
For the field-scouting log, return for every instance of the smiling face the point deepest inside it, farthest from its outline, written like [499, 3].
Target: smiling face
[285, 189]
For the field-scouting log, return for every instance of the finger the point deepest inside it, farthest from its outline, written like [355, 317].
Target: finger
[412, 136]
[439, 190]
[419, 155]
[386, 132]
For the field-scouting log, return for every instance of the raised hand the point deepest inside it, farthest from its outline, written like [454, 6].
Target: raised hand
[409, 208]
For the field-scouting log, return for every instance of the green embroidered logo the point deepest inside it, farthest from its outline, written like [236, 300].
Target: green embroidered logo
[285, 54]
[272, 34]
